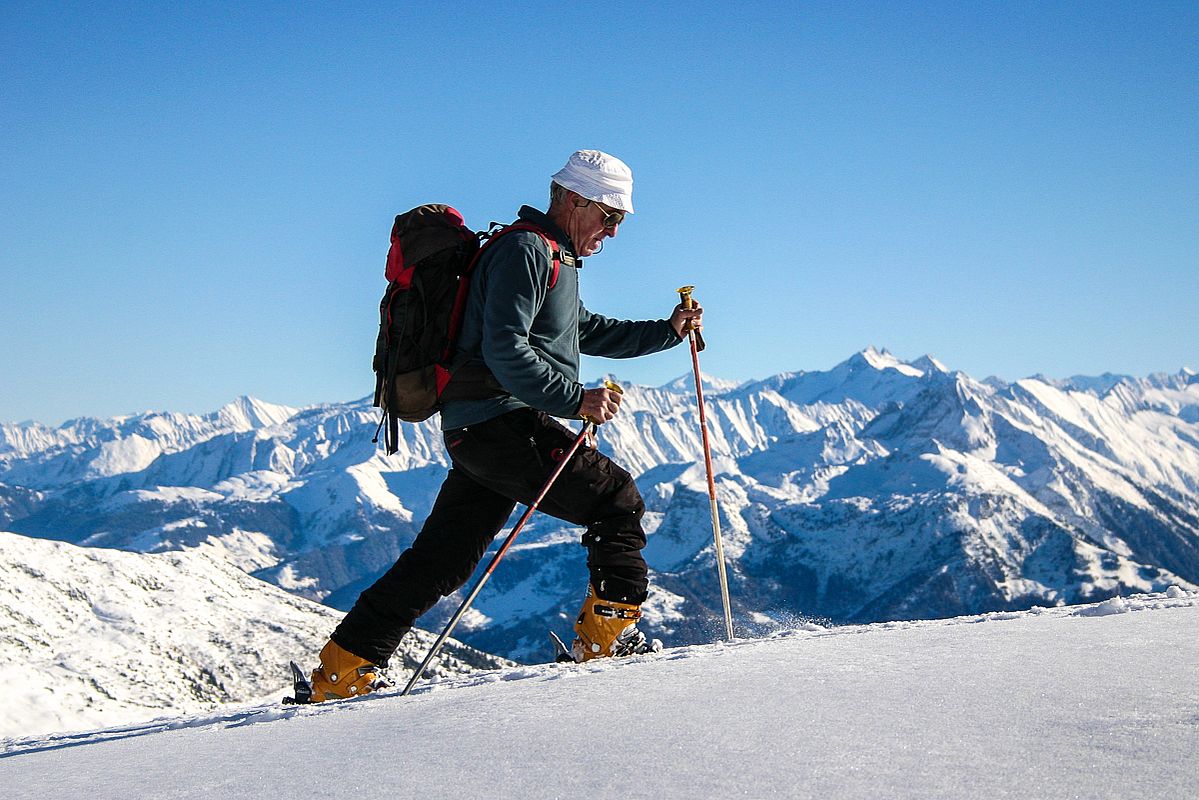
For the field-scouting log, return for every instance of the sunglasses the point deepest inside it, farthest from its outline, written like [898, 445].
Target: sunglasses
[611, 218]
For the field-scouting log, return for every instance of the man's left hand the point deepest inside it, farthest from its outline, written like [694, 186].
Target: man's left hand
[686, 319]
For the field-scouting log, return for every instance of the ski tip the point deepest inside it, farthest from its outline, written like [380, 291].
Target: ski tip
[562, 653]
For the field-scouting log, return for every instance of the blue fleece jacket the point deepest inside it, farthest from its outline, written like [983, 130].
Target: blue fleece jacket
[530, 335]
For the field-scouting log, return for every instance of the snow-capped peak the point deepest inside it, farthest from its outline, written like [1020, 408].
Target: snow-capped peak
[928, 363]
[247, 413]
[883, 360]
[711, 385]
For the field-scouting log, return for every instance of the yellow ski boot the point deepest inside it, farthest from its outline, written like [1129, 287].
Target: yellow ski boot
[606, 628]
[343, 674]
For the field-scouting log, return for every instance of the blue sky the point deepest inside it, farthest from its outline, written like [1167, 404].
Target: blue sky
[196, 197]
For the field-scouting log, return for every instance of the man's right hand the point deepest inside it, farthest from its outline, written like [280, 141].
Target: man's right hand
[599, 405]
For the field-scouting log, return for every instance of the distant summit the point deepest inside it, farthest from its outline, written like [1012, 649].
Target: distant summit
[247, 413]
[710, 384]
[881, 360]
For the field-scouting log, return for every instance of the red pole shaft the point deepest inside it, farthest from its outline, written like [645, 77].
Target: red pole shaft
[703, 420]
[697, 345]
[719, 542]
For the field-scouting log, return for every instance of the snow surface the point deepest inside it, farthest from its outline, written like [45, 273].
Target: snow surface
[90, 636]
[1095, 701]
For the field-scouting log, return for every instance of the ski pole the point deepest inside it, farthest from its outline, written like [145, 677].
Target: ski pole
[697, 344]
[588, 427]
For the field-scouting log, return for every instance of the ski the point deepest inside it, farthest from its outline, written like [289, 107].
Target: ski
[564, 654]
[302, 687]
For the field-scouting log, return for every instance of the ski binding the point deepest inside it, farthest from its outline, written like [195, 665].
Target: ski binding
[302, 688]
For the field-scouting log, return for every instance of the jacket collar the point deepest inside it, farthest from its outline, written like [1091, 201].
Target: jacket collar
[541, 220]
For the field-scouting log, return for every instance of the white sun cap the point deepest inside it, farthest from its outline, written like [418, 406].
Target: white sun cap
[599, 177]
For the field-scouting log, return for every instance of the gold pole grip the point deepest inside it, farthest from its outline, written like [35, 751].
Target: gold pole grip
[688, 303]
[685, 295]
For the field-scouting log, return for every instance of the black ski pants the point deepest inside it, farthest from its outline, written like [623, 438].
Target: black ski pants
[496, 464]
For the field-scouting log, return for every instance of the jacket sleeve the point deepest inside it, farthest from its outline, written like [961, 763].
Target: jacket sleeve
[518, 279]
[619, 338]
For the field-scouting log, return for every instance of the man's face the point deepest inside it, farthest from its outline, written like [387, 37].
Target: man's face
[593, 222]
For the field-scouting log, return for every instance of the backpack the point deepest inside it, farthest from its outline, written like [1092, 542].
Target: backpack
[429, 265]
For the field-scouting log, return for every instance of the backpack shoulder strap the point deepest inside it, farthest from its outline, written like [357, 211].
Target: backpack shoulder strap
[555, 251]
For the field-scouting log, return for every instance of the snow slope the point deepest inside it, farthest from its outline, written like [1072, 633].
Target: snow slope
[1096, 701]
[91, 637]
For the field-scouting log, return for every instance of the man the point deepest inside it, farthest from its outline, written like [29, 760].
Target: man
[526, 325]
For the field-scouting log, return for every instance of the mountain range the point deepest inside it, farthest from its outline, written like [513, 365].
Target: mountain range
[881, 489]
